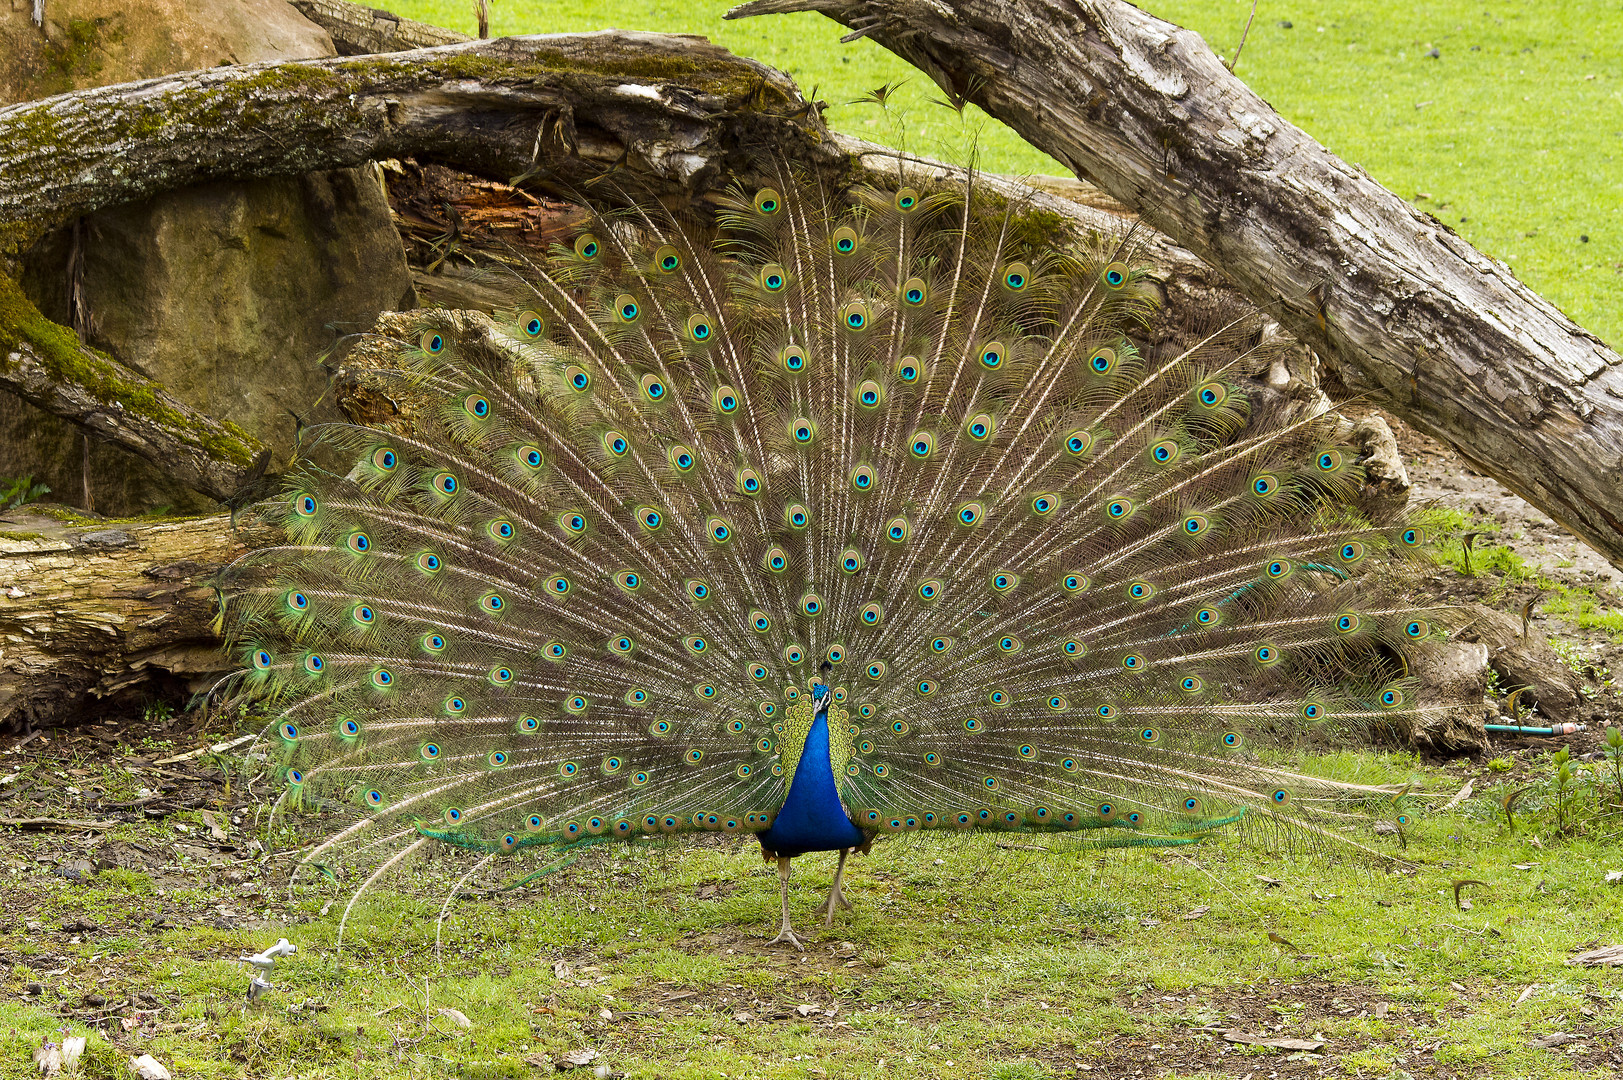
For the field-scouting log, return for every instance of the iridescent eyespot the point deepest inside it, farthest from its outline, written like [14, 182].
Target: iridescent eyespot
[776, 559]
[1411, 537]
[700, 329]
[932, 758]
[653, 388]
[1140, 590]
[668, 259]
[578, 377]
[1117, 509]
[1008, 643]
[835, 654]
[501, 529]
[1280, 797]
[872, 615]
[529, 457]
[1078, 442]
[1195, 524]
[1165, 452]
[1044, 504]
[793, 358]
[941, 644]
[659, 727]
[801, 430]
[993, 355]
[1391, 698]
[862, 478]
[1190, 684]
[384, 459]
[616, 444]
[555, 650]
[696, 644]
[973, 723]
[1279, 568]
[629, 580]
[867, 712]
[1207, 616]
[855, 316]
[626, 308]
[1351, 552]
[623, 645]
[980, 427]
[1347, 622]
[1212, 394]
[433, 342]
[876, 670]
[290, 732]
[725, 399]
[1015, 276]
[636, 697]
[914, 291]
[929, 589]
[359, 543]
[1132, 662]
[971, 513]
[1150, 735]
[772, 278]
[529, 724]
[575, 703]
[382, 678]
[1073, 647]
[998, 698]
[1115, 275]
[907, 200]
[1075, 583]
[851, 560]
[1417, 628]
[455, 706]
[681, 458]
[297, 601]
[767, 202]
[314, 664]
[557, 585]
[796, 516]
[1231, 740]
[476, 406]
[1266, 655]
[587, 247]
[1313, 711]
[374, 797]
[1002, 581]
[898, 530]
[531, 324]
[1105, 712]
[844, 240]
[445, 483]
[1103, 361]
[719, 529]
[908, 369]
[650, 518]
[1264, 484]
[304, 505]
[748, 482]
[921, 444]
[811, 605]
[794, 654]
[348, 729]
[568, 769]
[1058, 703]
[429, 751]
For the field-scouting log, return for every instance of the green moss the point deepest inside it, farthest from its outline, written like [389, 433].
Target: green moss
[75, 58]
[67, 361]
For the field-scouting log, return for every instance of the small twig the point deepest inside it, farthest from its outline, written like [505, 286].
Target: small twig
[1243, 33]
[57, 823]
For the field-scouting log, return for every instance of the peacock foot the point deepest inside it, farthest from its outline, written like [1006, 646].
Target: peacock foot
[835, 900]
[787, 935]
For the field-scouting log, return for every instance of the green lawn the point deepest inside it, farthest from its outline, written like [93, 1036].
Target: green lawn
[1514, 133]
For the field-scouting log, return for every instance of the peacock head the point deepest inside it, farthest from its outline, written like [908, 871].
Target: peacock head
[820, 695]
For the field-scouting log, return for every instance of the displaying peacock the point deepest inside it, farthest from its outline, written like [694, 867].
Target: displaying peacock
[845, 513]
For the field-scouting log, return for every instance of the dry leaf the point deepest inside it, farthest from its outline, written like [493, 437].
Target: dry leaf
[1610, 956]
[1235, 1035]
[575, 1059]
[460, 1019]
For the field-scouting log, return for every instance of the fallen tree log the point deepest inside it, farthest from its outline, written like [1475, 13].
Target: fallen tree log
[100, 618]
[1408, 313]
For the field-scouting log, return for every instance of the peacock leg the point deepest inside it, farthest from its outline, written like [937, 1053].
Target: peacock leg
[787, 933]
[835, 896]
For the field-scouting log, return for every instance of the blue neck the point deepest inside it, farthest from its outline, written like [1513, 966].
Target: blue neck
[812, 818]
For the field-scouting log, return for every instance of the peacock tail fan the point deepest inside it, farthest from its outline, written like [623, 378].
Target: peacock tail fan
[1058, 585]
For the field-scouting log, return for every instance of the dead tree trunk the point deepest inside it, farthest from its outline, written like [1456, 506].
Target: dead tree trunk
[98, 618]
[1407, 311]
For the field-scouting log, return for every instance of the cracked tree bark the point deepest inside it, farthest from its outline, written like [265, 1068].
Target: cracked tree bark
[1402, 308]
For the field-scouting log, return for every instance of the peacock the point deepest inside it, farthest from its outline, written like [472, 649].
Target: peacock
[843, 511]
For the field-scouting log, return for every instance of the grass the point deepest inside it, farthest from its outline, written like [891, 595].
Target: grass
[1512, 135]
[965, 956]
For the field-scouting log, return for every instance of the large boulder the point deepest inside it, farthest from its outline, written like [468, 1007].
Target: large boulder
[227, 293]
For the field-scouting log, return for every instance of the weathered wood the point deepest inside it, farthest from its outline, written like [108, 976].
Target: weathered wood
[357, 30]
[1404, 309]
[98, 617]
[47, 365]
[669, 114]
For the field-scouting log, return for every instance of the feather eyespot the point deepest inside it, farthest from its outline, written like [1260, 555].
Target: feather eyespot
[1016, 276]
[1116, 275]
[626, 309]
[914, 291]
[725, 399]
[433, 342]
[794, 359]
[531, 324]
[1102, 362]
[855, 316]
[844, 240]
[796, 516]
[773, 278]
[793, 654]
[851, 560]
[971, 514]
[908, 370]
[907, 200]
[998, 698]
[748, 482]
[980, 427]
[578, 378]
[872, 614]
[1140, 590]
[1347, 622]
[667, 259]
[921, 445]
[835, 654]
[587, 247]
[802, 431]
[876, 670]
[993, 354]
[1073, 648]
[767, 202]
[529, 725]
[776, 560]
[1211, 394]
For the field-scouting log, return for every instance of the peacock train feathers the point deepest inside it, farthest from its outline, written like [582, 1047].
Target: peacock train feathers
[858, 508]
